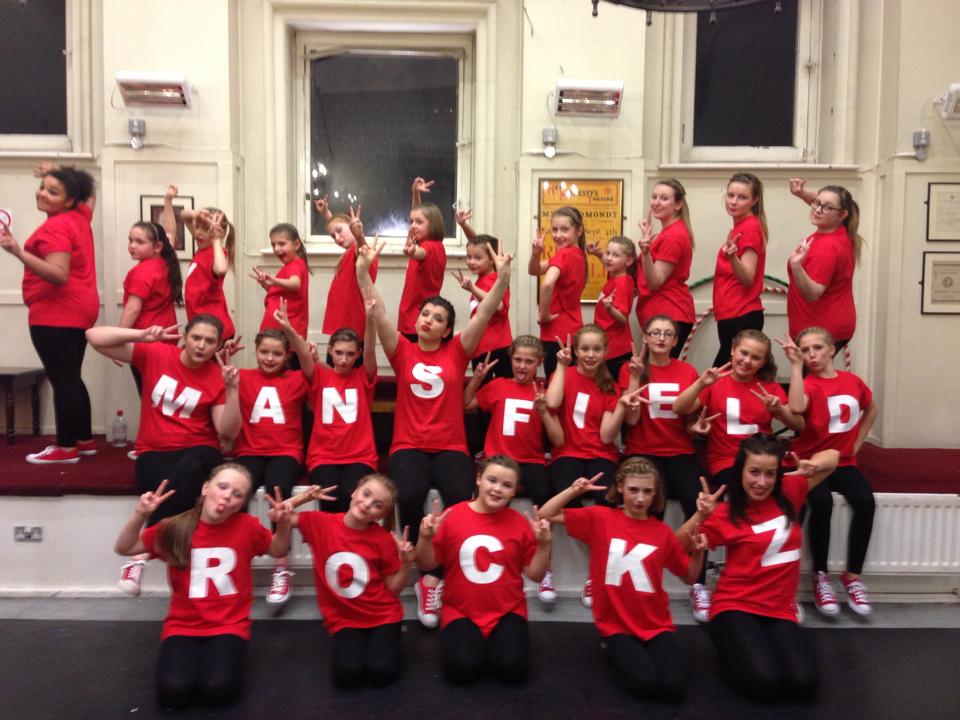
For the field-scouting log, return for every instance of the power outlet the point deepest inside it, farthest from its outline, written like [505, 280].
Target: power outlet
[27, 533]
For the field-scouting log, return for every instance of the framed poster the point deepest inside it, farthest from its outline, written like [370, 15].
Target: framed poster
[601, 204]
[151, 207]
[943, 212]
[941, 283]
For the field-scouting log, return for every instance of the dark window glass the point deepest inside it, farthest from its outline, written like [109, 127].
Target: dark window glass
[33, 69]
[746, 73]
[376, 122]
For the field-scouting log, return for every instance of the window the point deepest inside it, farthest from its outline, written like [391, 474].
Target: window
[377, 116]
[749, 83]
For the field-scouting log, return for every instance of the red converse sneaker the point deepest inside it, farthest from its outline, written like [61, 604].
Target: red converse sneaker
[823, 598]
[86, 447]
[857, 597]
[428, 603]
[280, 587]
[53, 454]
[545, 590]
[586, 595]
[131, 577]
[700, 602]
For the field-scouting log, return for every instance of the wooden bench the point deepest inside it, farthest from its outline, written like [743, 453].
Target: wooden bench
[12, 378]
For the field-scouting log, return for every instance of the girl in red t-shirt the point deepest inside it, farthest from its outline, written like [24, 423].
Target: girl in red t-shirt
[153, 288]
[738, 277]
[562, 279]
[753, 621]
[291, 284]
[359, 569]
[485, 547]
[208, 550]
[665, 260]
[629, 550]
[821, 268]
[429, 446]
[427, 263]
[215, 240]
[838, 410]
[612, 312]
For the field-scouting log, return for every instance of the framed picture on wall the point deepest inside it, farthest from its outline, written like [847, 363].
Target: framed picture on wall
[943, 212]
[151, 206]
[941, 283]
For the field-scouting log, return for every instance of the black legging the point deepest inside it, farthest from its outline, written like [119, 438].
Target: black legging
[683, 331]
[649, 669]
[467, 655]
[503, 368]
[564, 470]
[186, 470]
[535, 481]
[137, 380]
[764, 657]
[614, 364]
[209, 669]
[345, 477]
[371, 655]
[61, 351]
[272, 471]
[550, 350]
[727, 330]
[849, 482]
[680, 475]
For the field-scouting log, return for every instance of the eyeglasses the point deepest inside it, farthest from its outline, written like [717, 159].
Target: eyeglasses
[665, 334]
[823, 207]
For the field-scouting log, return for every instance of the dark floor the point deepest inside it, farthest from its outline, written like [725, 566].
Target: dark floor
[103, 670]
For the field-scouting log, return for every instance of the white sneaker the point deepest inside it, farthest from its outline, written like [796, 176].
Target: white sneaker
[857, 597]
[586, 595]
[131, 577]
[54, 455]
[799, 612]
[545, 590]
[823, 598]
[280, 587]
[429, 599]
[700, 602]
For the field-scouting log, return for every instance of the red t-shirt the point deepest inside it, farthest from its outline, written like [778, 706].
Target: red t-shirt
[483, 556]
[429, 414]
[423, 280]
[580, 415]
[730, 298]
[177, 400]
[627, 558]
[345, 306]
[515, 429]
[149, 281]
[76, 303]
[834, 410]
[349, 570]
[763, 555]
[298, 305]
[214, 594]
[660, 431]
[619, 336]
[673, 299]
[203, 291]
[270, 407]
[565, 303]
[342, 426]
[741, 415]
[497, 333]
[830, 263]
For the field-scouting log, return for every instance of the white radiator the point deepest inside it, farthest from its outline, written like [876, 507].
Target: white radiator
[299, 551]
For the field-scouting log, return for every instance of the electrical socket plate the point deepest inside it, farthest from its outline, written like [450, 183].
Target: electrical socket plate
[27, 533]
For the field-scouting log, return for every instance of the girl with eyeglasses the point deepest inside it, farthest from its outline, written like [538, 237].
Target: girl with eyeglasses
[821, 267]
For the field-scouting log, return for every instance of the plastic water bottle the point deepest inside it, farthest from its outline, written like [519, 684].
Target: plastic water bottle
[119, 436]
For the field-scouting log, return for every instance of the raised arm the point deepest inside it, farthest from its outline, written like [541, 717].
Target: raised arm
[537, 265]
[386, 330]
[798, 188]
[297, 343]
[128, 541]
[425, 557]
[168, 218]
[396, 582]
[797, 398]
[818, 468]
[370, 342]
[809, 288]
[54, 267]
[744, 266]
[226, 418]
[471, 388]
[117, 342]
[463, 217]
[552, 510]
[688, 401]
[540, 562]
[655, 272]
[473, 332]
[419, 187]
[555, 388]
[550, 422]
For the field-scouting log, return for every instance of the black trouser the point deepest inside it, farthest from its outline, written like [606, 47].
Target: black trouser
[614, 365]
[849, 482]
[187, 470]
[371, 655]
[272, 471]
[564, 470]
[550, 350]
[764, 657]
[138, 380]
[467, 655]
[680, 478]
[683, 331]
[648, 669]
[345, 477]
[209, 669]
[61, 351]
[503, 368]
[727, 330]
[535, 480]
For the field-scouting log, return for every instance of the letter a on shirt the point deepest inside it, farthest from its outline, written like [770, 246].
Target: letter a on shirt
[268, 405]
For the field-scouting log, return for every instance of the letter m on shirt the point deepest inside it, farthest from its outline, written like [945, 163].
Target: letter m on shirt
[165, 397]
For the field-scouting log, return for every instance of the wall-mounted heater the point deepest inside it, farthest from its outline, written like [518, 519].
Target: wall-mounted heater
[589, 97]
[950, 109]
[153, 89]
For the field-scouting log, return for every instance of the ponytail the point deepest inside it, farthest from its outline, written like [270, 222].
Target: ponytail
[157, 234]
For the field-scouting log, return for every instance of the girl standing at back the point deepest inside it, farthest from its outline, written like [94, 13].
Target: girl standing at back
[562, 279]
[215, 239]
[612, 312]
[738, 277]
[153, 287]
[665, 261]
[427, 263]
[291, 284]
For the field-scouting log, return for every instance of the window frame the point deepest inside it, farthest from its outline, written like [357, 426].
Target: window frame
[314, 44]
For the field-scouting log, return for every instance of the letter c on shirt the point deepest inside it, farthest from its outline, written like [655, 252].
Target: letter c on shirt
[468, 559]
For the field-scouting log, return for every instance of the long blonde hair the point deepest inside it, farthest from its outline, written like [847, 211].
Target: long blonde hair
[680, 196]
